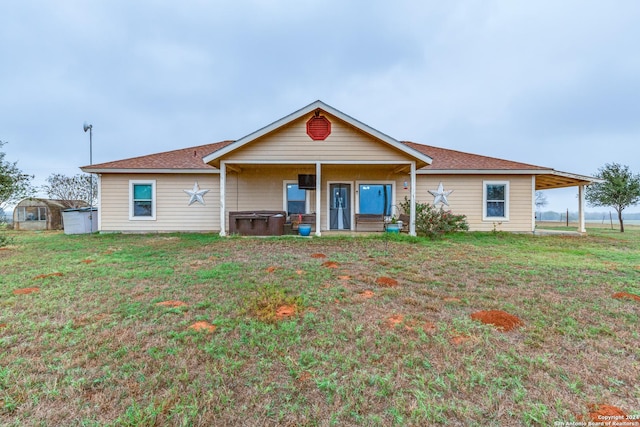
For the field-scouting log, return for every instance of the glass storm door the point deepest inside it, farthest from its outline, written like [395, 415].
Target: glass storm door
[340, 207]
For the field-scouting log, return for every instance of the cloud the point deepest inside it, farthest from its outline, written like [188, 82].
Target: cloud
[548, 83]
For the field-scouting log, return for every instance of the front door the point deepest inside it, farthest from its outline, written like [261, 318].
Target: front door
[340, 207]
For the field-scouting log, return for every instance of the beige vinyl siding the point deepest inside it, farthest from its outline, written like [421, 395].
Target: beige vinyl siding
[291, 143]
[172, 210]
[467, 194]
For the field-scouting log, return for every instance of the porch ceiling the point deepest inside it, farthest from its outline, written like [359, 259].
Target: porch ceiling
[310, 167]
[561, 180]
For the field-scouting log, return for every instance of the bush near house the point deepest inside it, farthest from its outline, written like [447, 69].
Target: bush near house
[433, 222]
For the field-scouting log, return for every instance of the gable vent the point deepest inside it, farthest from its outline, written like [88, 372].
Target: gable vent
[318, 127]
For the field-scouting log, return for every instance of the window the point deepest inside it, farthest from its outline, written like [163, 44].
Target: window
[496, 200]
[32, 213]
[142, 200]
[296, 199]
[375, 199]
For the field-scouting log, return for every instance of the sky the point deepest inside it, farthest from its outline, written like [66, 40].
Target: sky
[550, 83]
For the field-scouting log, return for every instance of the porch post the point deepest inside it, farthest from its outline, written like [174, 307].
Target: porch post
[533, 203]
[223, 186]
[318, 198]
[412, 216]
[581, 223]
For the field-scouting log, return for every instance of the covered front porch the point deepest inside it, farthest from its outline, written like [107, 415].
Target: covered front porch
[333, 196]
[557, 179]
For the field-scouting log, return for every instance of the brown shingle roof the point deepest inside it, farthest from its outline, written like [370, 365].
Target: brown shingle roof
[444, 159]
[185, 158]
[191, 158]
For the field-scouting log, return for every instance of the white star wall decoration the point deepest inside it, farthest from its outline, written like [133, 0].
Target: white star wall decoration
[196, 194]
[440, 196]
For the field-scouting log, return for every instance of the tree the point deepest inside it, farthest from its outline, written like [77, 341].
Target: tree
[14, 184]
[72, 189]
[619, 190]
[540, 201]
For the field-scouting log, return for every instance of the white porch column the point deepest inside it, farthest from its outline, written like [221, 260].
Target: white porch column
[533, 204]
[318, 198]
[99, 202]
[412, 217]
[223, 196]
[581, 223]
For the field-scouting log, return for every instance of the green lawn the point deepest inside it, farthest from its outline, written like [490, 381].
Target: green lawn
[93, 347]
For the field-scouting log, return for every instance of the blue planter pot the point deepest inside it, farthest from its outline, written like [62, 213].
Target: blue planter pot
[393, 228]
[304, 229]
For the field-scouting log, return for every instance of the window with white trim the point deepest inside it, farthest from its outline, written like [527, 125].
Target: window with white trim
[142, 200]
[375, 198]
[495, 200]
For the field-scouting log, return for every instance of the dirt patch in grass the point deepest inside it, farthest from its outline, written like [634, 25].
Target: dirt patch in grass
[459, 339]
[386, 282]
[25, 291]
[272, 304]
[87, 261]
[625, 295]
[271, 269]
[285, 311]
[498, 318]
[598, 412]
[344, 277]
[395, 320]
[203, 326]
[330, 264]
[318, 255]
[172, 303]
[3, 325]
[367, 294]
[44, 276]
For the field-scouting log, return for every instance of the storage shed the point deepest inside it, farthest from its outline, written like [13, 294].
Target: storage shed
[40, 214]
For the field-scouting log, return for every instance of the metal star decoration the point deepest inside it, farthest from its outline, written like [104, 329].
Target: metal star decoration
[196, 194]
[440, 196]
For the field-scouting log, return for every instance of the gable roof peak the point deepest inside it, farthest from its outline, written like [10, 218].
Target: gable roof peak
[310, 108]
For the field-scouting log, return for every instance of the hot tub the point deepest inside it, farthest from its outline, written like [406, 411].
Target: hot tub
[257, 223]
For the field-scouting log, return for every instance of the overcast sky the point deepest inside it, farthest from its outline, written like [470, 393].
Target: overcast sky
[551, 83]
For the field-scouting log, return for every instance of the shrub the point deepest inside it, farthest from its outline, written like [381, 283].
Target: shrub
[5, 240]
[435, 222]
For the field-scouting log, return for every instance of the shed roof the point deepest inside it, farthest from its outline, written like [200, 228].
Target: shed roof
[50, 203]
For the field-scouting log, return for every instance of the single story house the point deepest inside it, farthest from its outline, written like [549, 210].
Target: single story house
[323, 164]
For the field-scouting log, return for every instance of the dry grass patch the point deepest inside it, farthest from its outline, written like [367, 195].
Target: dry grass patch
[172, 303]
[386, 282]
[271, 304]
